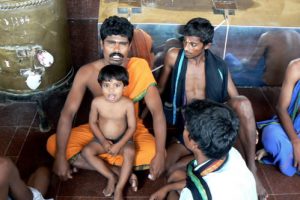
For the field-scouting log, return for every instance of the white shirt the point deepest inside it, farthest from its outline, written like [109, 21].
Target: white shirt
[234, 181]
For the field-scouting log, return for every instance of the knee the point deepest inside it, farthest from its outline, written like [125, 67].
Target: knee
[42, 172]
[6, 168]
[86, 152]
[176, 176]
[129, 151]
[242, 106]
[5, 164]
[270, 140]
[268, 135]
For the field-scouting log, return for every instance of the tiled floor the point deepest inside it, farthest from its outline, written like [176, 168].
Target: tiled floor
[22, 141]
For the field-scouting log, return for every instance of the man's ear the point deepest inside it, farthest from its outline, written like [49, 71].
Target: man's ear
[207, 46]
[101, 44]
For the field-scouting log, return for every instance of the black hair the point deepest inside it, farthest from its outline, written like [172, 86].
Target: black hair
[201, 28]
[213, 126]
[115, 25]
[110, 72]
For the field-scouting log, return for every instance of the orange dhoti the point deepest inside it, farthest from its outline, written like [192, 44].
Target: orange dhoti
[140, 79]
[82, 135]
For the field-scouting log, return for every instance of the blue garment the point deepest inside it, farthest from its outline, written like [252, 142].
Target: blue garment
[276, 141]
[245, 75]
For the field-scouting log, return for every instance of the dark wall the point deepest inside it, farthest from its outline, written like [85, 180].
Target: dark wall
[83, 20]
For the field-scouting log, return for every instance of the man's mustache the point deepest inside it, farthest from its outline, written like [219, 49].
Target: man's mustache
[116, 54]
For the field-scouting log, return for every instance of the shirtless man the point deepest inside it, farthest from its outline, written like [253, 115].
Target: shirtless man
[205, 75]
[274, 50]
[112, 120]
[280, 135]
[116, 34]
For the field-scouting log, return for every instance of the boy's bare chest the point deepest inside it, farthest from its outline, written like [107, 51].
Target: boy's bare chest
[116, 111]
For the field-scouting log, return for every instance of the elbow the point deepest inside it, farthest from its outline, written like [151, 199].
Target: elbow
[280, 110]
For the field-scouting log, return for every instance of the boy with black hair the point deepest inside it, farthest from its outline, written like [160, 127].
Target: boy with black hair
[112, 120]
[217, 171]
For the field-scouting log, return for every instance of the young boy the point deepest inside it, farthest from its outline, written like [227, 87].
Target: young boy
[112, 120]
[217, 170]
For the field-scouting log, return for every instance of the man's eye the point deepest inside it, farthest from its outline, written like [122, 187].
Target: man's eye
[110, 42]
[123, 43]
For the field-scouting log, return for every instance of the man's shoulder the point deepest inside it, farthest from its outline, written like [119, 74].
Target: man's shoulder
[172, 56]
[173, 52]
[293, 69]
[90, 68]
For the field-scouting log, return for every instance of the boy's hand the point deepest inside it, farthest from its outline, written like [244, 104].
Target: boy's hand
[114, 149]
[107, 146]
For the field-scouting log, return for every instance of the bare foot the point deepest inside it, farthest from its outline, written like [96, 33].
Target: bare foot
[133, 182]
[118, 194]
[110, 187]
[260, 154]
[75, 170]
[261, 192]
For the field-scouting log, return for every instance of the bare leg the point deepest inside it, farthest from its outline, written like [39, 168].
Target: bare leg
[168, 191]
[10, 180]
[90, 153]
[133, 180]
[82, 163]
[40, 180]
[182, 163]
[174, 153]
[247, 137]
[126, 169]
[177, 159]
[176, 176]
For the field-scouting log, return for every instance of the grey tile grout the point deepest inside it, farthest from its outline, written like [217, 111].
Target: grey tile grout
[27, 134]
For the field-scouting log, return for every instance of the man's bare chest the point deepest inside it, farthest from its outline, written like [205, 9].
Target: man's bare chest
[195, 83]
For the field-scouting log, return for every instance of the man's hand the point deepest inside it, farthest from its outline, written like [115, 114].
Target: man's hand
[159, 195]
[62, 169]
[157, 165]
[296, 148]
